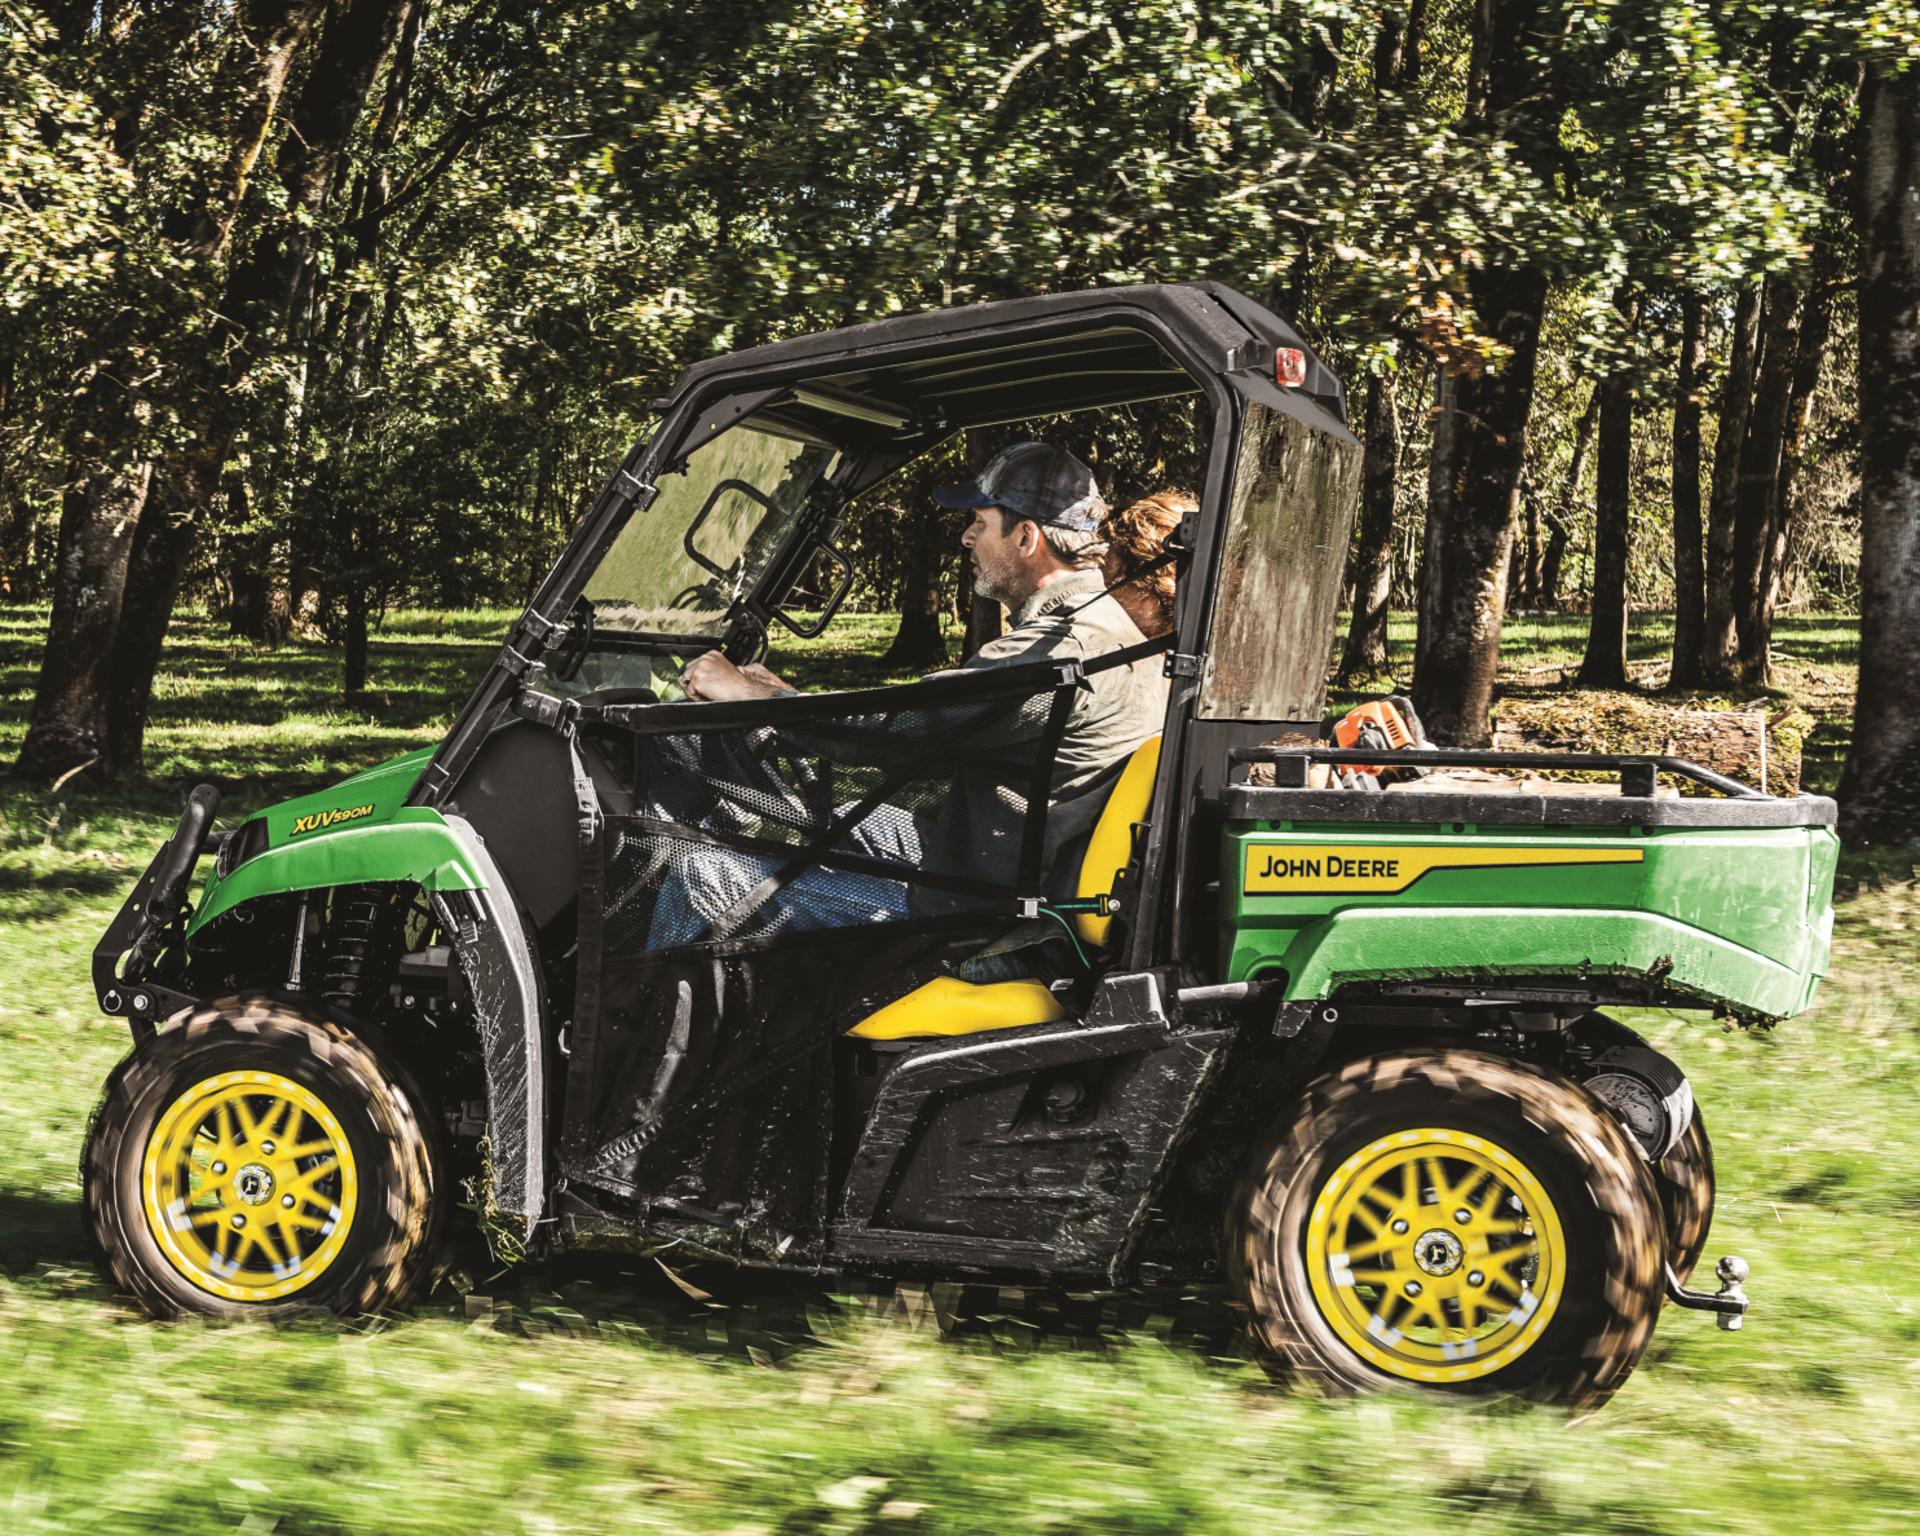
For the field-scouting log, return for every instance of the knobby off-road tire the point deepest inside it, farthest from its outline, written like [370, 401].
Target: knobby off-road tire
[255, 1161]
[1538, 1188]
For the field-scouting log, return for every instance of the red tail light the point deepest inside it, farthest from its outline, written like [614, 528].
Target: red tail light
[1289, 367]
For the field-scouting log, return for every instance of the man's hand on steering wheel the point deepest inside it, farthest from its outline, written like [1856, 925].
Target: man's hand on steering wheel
[714, 679]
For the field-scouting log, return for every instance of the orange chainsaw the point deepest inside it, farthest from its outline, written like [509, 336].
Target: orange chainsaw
[1387, 724]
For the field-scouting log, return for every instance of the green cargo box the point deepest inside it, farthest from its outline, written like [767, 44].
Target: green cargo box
[1690, 902]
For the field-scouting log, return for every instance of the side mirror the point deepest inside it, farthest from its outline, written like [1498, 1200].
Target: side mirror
[748, 507]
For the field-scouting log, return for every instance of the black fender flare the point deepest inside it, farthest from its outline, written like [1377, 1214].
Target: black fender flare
[502, 973]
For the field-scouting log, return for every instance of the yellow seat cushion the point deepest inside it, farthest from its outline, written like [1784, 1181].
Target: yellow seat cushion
[949, 1006]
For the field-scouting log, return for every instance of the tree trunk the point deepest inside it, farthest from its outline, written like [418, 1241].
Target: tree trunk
[1453, 691]
[68, 725]
[1553, 564]
[1719, 651]
[1605, 664]
[1365, 656]
[985, 618]
[1553, 561]
[160, 550]
[1433, 535]
[266, 289]
[1689, 561]
[1759, 488]
[354, 668]
[1880, 792]
[918, 644]
[1806, 380]
[1528, 595]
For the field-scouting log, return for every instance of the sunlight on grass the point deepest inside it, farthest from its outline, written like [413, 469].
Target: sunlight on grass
[590, 1396]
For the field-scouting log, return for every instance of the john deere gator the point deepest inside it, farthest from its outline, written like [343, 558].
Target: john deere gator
[1345, 1048]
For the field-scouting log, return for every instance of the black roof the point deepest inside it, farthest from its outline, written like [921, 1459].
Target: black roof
[1012, 359]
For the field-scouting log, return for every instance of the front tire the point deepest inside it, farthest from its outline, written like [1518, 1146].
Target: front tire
[1451, 1221]
[254, 1160]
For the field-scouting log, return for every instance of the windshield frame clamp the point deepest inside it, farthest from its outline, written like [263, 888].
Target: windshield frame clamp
[521, 668]
[549, 710]
[631, 485]
[1180, 664]
[548, 634]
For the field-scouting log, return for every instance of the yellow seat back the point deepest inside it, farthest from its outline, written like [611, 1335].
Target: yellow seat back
[1112, 839]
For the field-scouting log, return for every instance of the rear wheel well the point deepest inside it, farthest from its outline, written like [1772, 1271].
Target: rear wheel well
[1265, 1073]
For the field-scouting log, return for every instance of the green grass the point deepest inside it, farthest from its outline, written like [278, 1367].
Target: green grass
[589, 1397]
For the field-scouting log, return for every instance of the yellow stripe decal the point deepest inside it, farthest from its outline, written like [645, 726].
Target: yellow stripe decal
[1329, 869]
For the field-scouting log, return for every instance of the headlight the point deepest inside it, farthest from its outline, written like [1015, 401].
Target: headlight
[243, 842]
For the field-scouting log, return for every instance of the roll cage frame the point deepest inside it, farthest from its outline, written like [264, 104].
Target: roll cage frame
[1223, 342]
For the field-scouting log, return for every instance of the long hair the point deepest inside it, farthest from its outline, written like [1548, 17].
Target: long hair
[1136, 536]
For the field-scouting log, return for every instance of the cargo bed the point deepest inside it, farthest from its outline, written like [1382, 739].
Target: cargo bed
[1626, 892]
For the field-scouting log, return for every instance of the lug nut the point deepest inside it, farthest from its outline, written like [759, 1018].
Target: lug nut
[1475, 1277]
[1413, 1287]
[239, 1221]
[1462, 1216]
[267, 1148]
[219, 1167]
[287, 1201]
[1400, 1226]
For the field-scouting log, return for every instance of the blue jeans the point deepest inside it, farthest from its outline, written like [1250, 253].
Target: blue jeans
[704, 880]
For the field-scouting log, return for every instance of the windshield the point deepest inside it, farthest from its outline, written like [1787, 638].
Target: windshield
[743, 490]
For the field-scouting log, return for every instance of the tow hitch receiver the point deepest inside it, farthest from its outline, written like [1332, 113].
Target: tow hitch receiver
[1729, 1303]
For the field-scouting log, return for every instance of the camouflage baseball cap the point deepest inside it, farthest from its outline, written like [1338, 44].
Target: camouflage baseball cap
[1036, 481]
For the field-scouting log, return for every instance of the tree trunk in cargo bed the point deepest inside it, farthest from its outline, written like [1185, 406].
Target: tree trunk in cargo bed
[1880, 794]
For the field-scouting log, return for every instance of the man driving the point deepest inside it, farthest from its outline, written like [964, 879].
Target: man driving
[1034, 544]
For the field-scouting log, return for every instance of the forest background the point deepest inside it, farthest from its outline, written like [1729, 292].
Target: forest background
[314, 309]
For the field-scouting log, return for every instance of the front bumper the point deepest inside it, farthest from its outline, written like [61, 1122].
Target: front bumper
[127, 966]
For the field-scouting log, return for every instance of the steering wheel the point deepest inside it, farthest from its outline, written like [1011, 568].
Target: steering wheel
[667, 674]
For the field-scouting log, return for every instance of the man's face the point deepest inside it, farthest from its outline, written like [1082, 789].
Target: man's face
[1002, 560]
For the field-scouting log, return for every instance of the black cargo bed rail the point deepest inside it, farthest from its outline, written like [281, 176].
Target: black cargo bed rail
[1639, 772]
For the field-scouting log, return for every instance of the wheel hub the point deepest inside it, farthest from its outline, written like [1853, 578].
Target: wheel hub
[253, 1184]
[1437, 1251]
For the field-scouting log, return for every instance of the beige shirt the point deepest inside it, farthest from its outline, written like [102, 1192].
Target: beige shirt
[1119, 709]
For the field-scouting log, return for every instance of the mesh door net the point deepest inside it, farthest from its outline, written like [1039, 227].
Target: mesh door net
[791, 814]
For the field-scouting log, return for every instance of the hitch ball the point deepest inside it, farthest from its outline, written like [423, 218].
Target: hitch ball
[1733, 1277]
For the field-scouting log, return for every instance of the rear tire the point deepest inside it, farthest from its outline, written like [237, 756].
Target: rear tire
[257, 1161]
[1449, 1221]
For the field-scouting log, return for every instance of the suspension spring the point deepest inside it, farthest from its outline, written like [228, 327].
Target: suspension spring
[361, 946]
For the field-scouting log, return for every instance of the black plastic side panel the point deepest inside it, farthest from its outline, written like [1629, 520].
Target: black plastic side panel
[518, 795]
[1023, 1152]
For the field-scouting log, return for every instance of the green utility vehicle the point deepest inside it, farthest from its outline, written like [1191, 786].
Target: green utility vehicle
[1344, 1049]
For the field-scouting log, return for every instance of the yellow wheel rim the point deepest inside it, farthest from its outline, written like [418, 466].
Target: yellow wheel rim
[249, 1185]
[1436, 1255]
